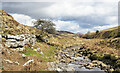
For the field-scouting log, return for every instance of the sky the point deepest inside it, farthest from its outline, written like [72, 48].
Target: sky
[75, 16]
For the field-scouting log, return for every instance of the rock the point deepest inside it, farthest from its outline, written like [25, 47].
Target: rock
[68, 60]
[20, 44]
[62, 60]
[111, 70]
[5, 26]
[91, 64]
[17, 63]
[68, 56]
[10, 44]
[41, 53]
[85, 57]
[89, 67]
[28, 62]
[11, 40]
[8, 51]
[103, 66]
[19, 27]
[20, 49]
[23, 55]
[96, 62]
[58, 69]
[70, 68]
[80, 55]
[32, 47]
[38, 49]
[35, 50]
[80, 64]
[76, 59]
[15, 41]
[11, 36]
[8, 61]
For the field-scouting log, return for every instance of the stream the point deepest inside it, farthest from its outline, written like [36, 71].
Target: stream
[78, 63]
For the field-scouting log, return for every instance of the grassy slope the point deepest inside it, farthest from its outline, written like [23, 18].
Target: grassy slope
[12, 27]
[107, 33]
[56, 42]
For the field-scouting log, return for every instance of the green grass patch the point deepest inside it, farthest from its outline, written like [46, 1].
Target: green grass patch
[48, 52]
[31, 52]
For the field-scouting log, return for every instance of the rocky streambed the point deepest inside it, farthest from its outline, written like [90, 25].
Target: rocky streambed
[73, 59]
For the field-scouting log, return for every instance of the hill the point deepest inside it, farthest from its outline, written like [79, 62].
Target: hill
[21, 43]
[105, 34]
[26, 48]
[11, 26]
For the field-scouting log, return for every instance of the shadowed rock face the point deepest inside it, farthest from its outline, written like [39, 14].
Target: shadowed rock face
[16, 41]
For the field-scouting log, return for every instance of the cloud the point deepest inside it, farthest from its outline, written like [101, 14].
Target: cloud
[59, 1]
[76, 16]
[23, 19]
[66, 25]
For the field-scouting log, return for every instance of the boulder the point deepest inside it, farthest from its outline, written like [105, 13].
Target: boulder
[111, 70]
[28, 62]
[38, 49]
[80, 64]
[15, 41]
[20, 43]
[62, 60]
[67, 55]
[11, 40]
[20, 49]
[68, 60]
[91, 64]
[23, 55]
[17, 63]
[8, 61]
[35, 50]
[80, 55]
[89, 67]
[58, 69]
[11, 37]
[41, 53]
[11, 44]
[103, 66]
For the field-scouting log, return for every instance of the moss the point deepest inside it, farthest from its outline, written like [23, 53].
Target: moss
[96, 56]
[118, 63]
[30, 51]
[107, 56]
[113, 58]
[117, 70]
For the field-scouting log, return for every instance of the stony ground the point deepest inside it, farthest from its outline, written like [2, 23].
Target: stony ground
[43, 53]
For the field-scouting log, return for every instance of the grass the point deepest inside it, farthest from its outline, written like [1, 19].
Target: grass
[47, 50]
[105, 34]
[31, 52]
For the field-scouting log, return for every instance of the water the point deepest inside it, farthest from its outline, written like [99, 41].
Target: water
[80, 68]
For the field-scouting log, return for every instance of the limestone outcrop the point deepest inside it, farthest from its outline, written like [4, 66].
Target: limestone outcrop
[18, 41]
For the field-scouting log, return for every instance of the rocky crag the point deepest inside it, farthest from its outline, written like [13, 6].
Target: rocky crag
[17, 42]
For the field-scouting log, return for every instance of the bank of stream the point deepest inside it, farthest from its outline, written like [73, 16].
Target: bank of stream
[73, 59]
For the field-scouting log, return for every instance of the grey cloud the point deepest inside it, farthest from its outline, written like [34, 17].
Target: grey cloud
[37, 10]
[33, 9]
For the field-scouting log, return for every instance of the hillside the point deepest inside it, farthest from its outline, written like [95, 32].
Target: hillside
[26, 48]
[43, 50]
[105, 34]
[11, 26]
